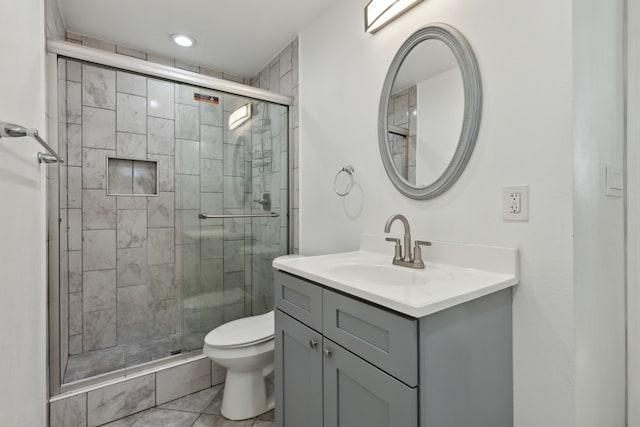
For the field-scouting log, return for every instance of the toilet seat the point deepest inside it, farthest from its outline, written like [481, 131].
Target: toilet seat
[243, 332]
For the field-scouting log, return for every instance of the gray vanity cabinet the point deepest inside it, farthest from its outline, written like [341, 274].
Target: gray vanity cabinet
[341, 390]
[322, 383]
[344, 362]
[299, 385]
[358, 394]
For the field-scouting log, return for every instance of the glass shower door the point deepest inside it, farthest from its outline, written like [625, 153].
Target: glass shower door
[231, 206]
[142, 275]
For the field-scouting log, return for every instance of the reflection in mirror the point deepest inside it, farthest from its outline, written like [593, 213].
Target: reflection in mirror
[425, 113]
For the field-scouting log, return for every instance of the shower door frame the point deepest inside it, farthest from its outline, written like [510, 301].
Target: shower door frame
[57, 49]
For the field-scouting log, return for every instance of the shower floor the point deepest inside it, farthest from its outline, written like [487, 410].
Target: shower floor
[91, 363]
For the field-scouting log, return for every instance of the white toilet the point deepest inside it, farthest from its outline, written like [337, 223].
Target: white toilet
[245, 347]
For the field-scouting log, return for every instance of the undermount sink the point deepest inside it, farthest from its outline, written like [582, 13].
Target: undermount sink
[382, 273]
[454, 273]
[378, 274]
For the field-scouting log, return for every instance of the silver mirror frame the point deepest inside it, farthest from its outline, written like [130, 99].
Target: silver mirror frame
[472, 110]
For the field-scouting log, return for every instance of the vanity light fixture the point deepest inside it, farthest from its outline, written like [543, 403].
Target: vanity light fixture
[183, 40]
[240, 116]
[379, 13]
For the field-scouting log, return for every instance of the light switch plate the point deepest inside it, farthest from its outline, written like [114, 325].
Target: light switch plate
[515, 203]
[615, 181]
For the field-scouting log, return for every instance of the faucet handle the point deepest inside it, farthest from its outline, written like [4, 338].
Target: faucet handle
[417, 252]
[398, 248]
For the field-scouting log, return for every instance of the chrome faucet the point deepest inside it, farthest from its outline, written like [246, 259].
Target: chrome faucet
[404, 257]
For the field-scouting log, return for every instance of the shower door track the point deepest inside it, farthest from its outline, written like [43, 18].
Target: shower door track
[60, 49]
[123, 62]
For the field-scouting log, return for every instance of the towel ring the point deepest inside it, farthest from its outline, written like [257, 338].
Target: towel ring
[348, 170]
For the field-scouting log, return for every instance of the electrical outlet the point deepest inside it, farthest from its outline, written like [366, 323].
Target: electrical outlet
[515, 203]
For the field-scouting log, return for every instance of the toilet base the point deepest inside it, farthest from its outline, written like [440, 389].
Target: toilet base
[245, 395]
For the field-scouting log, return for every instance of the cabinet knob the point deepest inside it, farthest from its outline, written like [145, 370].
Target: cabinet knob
[327, 353]
[313, 343]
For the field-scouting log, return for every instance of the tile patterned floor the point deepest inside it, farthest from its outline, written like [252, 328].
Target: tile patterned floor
[201, 409]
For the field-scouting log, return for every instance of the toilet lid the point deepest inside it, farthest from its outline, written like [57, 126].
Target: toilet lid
[242, 332]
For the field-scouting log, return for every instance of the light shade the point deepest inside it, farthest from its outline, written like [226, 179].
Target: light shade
[239, 116]
[379, 13]
[183, 40]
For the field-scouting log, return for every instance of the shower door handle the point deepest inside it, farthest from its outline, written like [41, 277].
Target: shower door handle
[266, 215]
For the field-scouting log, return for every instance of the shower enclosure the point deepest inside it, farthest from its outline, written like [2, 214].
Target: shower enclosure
[170, 206]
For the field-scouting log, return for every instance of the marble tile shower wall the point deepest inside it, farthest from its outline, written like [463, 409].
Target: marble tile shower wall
[130, 258]
[54, 23]
[269, 155]
[280, 76]
[402, 113]
[232, 168]
[121, 254]
[213, 177]
[62, 204]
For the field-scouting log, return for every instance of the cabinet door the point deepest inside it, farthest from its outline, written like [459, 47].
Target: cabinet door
[298, 374]
[358, 394]
[382, 338]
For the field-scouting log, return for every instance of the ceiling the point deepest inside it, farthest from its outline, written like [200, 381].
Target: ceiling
[234, 36]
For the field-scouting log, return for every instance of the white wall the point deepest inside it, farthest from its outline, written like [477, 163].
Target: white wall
[598, 219]
[439, 124]
[23, 308]
[524, 53]
[633, 212]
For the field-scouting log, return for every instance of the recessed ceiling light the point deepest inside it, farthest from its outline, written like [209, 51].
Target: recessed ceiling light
[183, 40]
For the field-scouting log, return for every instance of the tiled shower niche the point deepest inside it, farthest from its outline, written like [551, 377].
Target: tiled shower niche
[132, 177]
[142, 276]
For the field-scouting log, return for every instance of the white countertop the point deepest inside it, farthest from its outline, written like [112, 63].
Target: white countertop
[454, 274]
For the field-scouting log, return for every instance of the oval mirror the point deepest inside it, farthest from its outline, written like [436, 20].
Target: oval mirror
[430, 111]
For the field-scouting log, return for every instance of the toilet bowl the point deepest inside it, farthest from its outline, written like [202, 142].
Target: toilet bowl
[245, 347]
